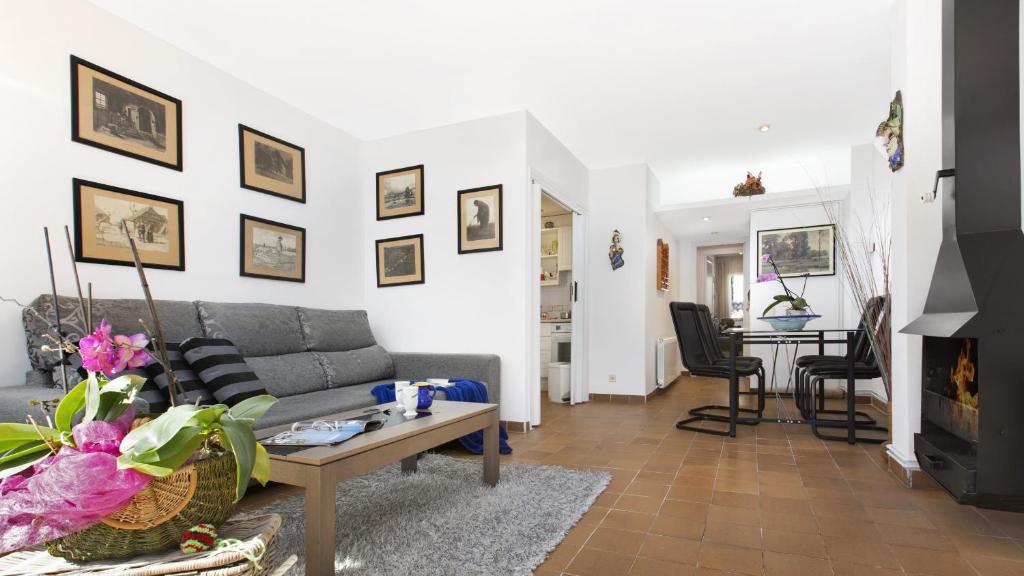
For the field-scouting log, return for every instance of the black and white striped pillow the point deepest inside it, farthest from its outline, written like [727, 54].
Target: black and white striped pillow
[222, 369]
[156, 399]
[190, 387]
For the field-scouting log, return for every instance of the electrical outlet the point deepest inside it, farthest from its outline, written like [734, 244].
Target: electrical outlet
[611, 378]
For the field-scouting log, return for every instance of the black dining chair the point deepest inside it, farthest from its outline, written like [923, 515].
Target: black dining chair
[698, 355]
[713, 340]
[851, 371]
[802, 395]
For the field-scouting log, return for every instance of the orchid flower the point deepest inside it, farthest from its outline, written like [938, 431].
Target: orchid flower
[111, 355]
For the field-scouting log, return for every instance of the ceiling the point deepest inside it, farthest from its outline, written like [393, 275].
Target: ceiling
[680, 84]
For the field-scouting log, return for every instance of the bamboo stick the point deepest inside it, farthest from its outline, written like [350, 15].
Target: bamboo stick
[78, 281]
[172, 380]
[56, 311]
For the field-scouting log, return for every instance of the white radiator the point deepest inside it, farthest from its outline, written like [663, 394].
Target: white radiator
[666, 361]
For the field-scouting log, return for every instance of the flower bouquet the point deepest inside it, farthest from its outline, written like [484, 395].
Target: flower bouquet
[93, 481]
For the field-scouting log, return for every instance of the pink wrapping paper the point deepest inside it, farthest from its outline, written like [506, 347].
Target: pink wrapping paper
[69, 491]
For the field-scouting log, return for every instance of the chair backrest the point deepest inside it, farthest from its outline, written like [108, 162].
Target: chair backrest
[709, 332]
[688, 335]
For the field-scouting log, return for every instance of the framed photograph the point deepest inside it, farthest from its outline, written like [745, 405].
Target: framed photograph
[272, 250]
[480, 219]
[400, 261]
[157, 224]
[810, 250]
[119, 115]
[400, 193]
[271, 165]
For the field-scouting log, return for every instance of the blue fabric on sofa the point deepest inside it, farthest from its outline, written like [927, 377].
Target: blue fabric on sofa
[462, 391]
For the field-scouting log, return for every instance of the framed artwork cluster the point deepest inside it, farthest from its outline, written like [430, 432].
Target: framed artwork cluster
[120, 115]
[400, 194]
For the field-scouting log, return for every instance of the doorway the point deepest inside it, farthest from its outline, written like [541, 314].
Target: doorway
[721, 284]
[557, 342]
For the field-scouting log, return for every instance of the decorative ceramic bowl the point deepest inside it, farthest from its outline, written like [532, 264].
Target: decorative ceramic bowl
[789, 322]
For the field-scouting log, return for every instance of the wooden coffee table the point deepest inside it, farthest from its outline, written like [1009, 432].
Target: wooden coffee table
[318, 469]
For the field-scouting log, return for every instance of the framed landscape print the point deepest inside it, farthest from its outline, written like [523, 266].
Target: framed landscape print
[114, 113]
[400, 261]
[480, 219]
[272, 250]
[157, 224]
[400, 193]
[810, 250]
[271, 165]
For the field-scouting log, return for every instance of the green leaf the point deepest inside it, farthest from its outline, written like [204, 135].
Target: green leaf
[799, 304]
[782, 298]
[14, 434]
[24, 450]
[174, 455]
[239, 438]
[773, 305]
[155, 470]
[252, 409]
[92, 397]
[70, 405]
[157, 432]
[26, 461]
[117, 395]
[187, 437]
[261, 467]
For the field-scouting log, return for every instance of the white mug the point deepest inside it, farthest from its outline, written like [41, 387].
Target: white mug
[399, 385]
[409, 399]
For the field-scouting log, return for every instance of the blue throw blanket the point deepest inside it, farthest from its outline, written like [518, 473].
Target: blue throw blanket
[462, 391]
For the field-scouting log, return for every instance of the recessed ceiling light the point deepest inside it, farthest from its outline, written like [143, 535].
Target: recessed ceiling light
[764, 127]
[707, 218]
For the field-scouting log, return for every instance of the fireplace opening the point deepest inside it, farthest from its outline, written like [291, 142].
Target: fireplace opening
[952, 385]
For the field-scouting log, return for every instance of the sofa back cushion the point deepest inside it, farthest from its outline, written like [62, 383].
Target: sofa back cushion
[336, 330]
[255, 329]
[348, 367]
[289, 374]
[179, 320]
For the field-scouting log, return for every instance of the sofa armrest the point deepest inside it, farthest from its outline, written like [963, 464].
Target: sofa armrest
[483, 367]
[14, 401]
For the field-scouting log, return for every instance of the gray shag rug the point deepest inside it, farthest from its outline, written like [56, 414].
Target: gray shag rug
[444, 520]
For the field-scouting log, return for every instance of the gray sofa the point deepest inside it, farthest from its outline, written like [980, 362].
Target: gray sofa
[314, 361]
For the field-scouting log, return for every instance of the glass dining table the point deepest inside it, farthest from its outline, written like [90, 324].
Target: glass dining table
[777, 339]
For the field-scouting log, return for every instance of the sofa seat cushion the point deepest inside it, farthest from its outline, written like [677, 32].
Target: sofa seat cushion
[314, 405]
[222, 369]
[336, 330]
[256, 329]
[289, 374]
[356, 366]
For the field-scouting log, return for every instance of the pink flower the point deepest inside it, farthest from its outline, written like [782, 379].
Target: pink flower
[766, 257]
[110, 355]
[767, 277]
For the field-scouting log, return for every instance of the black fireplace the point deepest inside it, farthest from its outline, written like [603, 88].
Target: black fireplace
[972, 384]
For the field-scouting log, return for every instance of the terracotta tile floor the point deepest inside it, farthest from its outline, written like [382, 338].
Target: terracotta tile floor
[773, 501]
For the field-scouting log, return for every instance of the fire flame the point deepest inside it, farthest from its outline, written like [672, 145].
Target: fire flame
[962, 373]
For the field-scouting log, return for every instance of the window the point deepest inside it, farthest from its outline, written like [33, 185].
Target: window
[100, 102]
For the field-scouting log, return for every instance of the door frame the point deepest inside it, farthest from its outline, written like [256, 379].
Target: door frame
[537, 184]
[714, 250]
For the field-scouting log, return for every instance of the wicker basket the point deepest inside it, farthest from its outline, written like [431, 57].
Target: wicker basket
[156, 517]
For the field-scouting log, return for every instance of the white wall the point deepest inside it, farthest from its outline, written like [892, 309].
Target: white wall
[867, 218]
[36, 39]
[916, 69]
[824, 293]
[658, 320]
[472, 303]
[617, 336]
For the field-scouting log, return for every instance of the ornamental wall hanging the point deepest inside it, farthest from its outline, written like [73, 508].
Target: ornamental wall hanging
[615, 251]
[890, 133]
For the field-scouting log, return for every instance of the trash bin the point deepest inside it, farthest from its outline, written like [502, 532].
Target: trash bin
[559, 381]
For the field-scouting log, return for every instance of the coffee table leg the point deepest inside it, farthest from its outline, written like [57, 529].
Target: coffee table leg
[320, 516]
[491, 454]
[409, 465]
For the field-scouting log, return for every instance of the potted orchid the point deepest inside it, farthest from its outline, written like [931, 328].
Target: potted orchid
[797, 305]
[64, 479]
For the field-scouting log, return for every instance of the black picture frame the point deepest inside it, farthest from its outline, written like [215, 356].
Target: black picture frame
[76, 135]
[242, 243]
[242, 129]
[77, 184]
[422, 263]
[832, 255]
[499, 221]
[422, 192]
